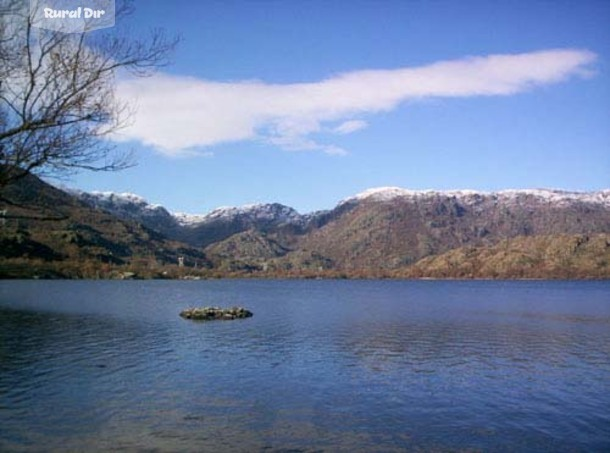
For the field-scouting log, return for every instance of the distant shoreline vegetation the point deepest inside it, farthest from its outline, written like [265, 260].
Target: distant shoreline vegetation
[576, 257]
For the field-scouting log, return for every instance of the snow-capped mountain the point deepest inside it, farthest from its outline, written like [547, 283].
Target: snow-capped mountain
[185, 219]
[551, 196]
[135, 207]
[384, 231]
[411, 223]
[223, 222]
[271, 212]
[390, 227]
[196, 229]
[129, 206]
[128, 202]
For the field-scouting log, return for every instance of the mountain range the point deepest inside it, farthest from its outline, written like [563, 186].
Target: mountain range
[380, 232]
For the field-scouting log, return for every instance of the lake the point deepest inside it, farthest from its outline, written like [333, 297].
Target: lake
[323, 365]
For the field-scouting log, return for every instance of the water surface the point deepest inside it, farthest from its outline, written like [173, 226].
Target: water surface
[322, 366]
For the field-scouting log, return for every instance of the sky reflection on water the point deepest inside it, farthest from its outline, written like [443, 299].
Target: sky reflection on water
[330, 365]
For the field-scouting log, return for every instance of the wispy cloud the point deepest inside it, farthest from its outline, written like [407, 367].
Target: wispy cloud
[178, 115]
[350, 126]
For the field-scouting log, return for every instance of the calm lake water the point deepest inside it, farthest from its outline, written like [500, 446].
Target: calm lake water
[322, 366]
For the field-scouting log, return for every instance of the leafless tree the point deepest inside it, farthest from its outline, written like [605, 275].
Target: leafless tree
[57, 93]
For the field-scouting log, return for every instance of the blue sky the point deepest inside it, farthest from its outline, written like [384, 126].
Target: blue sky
[308, 102]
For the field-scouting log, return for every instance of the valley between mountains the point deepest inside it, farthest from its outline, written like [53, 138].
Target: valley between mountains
[387, 232]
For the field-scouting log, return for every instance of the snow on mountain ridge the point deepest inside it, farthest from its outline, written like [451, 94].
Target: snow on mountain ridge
[559, 196]
[259, 211]
[185, 219]
[467, 196]
[123, 198]
[281, 214]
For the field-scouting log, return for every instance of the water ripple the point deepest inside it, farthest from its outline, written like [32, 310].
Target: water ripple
[322, 366]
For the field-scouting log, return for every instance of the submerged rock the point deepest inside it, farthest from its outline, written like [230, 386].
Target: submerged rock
[212, 313]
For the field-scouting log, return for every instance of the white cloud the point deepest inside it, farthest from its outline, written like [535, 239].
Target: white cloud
[350, 126]
[177, 115]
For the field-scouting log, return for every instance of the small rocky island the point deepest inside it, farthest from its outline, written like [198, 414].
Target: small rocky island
[214, 313]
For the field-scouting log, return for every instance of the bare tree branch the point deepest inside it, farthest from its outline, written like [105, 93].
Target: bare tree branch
[57, 93]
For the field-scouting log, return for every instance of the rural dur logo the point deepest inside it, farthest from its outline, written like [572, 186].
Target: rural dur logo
[72, 16]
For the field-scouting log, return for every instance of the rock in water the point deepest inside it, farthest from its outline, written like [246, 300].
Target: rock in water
[212, 313]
